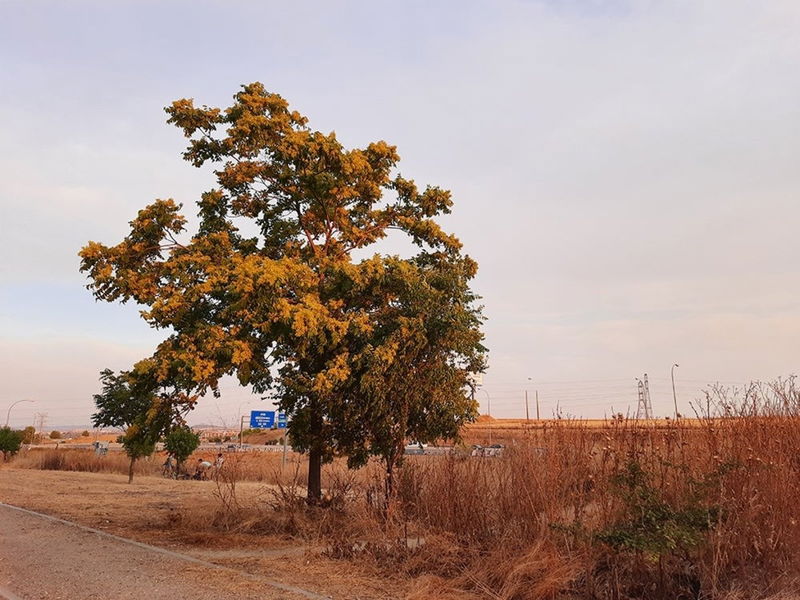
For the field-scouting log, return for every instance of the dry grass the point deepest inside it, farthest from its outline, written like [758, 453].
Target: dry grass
[694, 509]
[690, 509]
[65, 459]
[634, 510]
[265, 467]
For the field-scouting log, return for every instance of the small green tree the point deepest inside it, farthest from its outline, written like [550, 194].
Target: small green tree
[131, 400]
[10, 441]
[55, 435]
[139, 441]
[180, 443]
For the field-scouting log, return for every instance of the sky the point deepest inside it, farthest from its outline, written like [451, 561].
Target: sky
[625, 174]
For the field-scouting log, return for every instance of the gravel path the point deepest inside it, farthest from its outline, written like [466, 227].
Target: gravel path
[42, 557]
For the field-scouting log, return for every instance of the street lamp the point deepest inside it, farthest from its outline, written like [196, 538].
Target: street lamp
[13, 404]
[674, 395]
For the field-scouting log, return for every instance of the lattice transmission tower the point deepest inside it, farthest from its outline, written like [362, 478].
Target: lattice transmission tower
[644, 409]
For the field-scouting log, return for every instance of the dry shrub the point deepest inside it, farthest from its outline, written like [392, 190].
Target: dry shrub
[84, 460]
[702, 508]
[538, 572]
[263, 467]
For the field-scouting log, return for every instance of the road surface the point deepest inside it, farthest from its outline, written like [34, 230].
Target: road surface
[43, 557]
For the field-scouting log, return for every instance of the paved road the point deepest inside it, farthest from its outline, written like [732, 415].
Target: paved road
[43, 557]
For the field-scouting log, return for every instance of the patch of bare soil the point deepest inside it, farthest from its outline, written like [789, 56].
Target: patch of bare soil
[145, 510]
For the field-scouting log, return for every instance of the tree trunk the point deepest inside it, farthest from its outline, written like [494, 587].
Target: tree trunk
[315, 458]
[389, 482]
[314, 476]
[391, 461]
[130, 471]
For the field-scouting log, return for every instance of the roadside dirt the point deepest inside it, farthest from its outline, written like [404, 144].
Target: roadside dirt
[40, 558]
[143, 511]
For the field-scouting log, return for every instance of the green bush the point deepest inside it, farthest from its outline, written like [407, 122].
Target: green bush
[651, 525]
[181, 442]
[55, 435]
[10, 441]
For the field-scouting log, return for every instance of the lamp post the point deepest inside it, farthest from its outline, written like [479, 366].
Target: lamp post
[674, 395]
[537, 400]
[13, 404]
[527, 411]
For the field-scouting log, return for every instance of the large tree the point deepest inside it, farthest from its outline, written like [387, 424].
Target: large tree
[268, 289]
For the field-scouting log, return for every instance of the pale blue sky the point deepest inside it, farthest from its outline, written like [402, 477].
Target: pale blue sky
[625, 173]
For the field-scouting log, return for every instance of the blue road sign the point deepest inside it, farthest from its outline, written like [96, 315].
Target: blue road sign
[262, 419]
[282, 421]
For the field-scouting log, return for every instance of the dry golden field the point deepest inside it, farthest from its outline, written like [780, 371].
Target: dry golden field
[690, 509]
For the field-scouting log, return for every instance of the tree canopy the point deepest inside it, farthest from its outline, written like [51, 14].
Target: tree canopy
[140, 405]
[10, 441]
[361, 352]
[180, 443]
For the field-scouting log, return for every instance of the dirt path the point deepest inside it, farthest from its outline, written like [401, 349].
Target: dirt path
[172, 515]
[45, 557]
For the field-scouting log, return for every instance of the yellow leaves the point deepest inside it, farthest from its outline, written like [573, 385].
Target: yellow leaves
[153, 220]
[336, 371]
[241, 353]
[92, 251]
[386, 353]
[307, 316]
[184, 114]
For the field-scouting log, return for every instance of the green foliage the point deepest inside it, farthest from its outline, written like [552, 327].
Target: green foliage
[181, 442]
[145, 408]
[10, 441]
[651, 525]
[138, 442]
[366, 352]
[85, 433]
[55, 435]
[135, 397]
